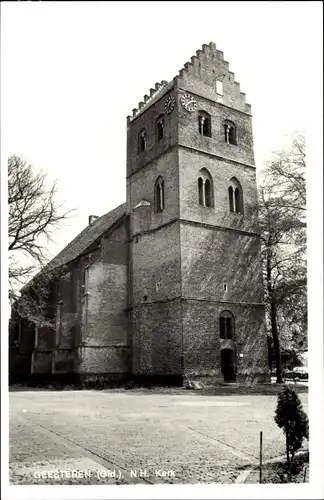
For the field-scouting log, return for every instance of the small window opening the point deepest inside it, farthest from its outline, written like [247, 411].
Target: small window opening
[226, 325]
[222, 328]
[205, 189]
[225, 287]
[142, 141]
[208, 193]
[235, 196]
[200, 191]
[230, 196]
[160, 130]
[230, 134]
[145, 298]
[229, 330]
[204, 125]
[238, 208]
[159, 195]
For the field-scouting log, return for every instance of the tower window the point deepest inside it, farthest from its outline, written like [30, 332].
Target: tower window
[160, 129]
[204, 124]
[205, 189]
[237, 199]
[230, 133]
[159, 195]
[231, 199]
[208, 193]
[222, 328]
[142, 141]
[235, 195]
[226, 325]
[201, 191]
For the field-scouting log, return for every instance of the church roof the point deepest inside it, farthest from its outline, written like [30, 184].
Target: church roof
[87, 237]
[84, 240]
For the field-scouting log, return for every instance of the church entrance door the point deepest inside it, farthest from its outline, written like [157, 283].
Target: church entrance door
[228, 365]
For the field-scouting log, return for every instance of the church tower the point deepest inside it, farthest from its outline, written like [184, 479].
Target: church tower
[195, 281]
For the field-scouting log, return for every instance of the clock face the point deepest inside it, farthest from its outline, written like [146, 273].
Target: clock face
[169, 105]
[188, 102]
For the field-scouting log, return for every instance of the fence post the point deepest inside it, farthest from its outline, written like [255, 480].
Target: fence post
[260, 457]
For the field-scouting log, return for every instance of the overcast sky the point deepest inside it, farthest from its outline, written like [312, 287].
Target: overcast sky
[72, 72]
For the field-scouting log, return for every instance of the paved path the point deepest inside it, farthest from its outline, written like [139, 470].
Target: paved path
[128, 437]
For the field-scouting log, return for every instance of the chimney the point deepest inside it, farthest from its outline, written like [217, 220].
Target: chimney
[92, 218]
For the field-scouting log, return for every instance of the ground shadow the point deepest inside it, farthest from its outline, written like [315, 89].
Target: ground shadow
[219, 390]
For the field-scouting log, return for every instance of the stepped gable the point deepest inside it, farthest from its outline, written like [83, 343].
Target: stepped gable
[195, 69]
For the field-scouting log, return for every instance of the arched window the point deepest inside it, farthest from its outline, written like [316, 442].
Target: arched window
[226, 325]
[201, 191]
[205, 189]
[159, 128]
[231, 199]
[142, 141]
[208, 193]
[230, 132]
[237, 199]
[204, 123]
[235, 195]
[159, 195]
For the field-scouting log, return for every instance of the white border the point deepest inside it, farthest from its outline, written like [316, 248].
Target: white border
[315, 488]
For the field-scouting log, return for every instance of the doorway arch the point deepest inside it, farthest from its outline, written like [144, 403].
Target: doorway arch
[228, 364]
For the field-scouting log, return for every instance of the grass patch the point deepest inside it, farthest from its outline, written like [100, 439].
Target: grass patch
[278, 472]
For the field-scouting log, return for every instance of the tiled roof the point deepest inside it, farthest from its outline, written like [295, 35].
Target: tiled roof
[84, 239]
[88, 236]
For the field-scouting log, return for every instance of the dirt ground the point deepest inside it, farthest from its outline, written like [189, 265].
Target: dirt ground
[140, 436]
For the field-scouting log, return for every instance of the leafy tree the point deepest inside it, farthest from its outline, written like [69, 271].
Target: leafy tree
[33, 216]
[290, 417]
[282, 212]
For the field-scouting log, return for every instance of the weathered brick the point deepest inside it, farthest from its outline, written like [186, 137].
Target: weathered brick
[146, 295]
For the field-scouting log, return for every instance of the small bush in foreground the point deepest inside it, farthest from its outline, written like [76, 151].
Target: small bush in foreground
[292, 419]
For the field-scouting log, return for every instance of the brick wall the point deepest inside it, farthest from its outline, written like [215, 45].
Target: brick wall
[190, 163]
[157, 339]
[189, 132]
[202, 343]
[154, 148]
[105, 317]
[96, 320]
[212, 258]
[156, 266]
[141, 186]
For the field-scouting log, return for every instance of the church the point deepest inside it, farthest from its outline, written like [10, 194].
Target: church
[169, 284]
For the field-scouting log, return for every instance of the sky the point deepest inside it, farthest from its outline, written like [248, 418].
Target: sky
[72, 72]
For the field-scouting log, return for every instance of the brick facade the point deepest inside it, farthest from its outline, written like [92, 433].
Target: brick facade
[145, 298]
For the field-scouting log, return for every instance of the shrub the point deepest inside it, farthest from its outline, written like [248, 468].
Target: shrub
[293, 420]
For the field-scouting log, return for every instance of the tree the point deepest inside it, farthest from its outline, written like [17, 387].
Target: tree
[282, 211]
[290, 417]
[33, 216]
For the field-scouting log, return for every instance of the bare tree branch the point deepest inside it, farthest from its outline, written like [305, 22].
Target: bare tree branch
[282, 206]
[33, 217]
